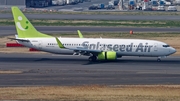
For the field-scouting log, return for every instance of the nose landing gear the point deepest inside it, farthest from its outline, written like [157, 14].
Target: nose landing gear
[159, 58]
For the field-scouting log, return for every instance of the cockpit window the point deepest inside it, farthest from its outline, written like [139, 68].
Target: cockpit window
[166, 46]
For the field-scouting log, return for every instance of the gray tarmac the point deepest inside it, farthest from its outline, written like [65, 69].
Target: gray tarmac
[95, 17]
[10, 30]
[48, 69]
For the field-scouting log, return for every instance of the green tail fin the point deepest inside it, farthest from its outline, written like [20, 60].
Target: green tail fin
[23, 26]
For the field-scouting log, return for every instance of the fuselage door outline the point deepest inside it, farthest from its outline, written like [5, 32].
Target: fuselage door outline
[155, 47]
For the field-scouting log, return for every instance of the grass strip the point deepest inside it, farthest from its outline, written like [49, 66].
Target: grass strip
[120, 23]
[10, 72]
[93, 93]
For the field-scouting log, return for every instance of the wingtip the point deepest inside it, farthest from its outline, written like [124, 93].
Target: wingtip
[59, 43]
[80, 34]
[14, 7]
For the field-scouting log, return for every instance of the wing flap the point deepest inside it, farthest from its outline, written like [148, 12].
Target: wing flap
[77, 48]
[87, 50]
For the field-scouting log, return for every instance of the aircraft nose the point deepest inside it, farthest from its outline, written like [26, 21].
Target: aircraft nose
[173, 50]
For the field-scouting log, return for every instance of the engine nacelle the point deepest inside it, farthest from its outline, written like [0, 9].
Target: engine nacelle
[110, 55]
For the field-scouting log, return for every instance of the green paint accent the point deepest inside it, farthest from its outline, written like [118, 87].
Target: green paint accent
[59, 43]
[24, 27]
[110, 55]
[80, 34]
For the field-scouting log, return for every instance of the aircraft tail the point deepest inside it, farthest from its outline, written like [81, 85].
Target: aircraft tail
[23, 26]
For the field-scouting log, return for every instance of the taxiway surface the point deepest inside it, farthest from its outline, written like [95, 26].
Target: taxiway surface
[10, 30]
[48, 69]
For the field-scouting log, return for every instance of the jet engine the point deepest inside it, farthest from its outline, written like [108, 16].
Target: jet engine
[110, 55]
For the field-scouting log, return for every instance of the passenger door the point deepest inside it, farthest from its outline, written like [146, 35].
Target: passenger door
[155, 47]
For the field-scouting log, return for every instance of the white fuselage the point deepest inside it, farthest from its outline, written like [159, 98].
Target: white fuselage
[123, 47]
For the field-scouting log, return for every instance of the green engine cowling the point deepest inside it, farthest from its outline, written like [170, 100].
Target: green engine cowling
[110, 55]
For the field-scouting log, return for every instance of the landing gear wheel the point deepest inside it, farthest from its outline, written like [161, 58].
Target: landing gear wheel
[92, 58]
[158, 60]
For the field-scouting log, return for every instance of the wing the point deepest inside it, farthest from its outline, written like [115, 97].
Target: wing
[77, 48]
[80, 34]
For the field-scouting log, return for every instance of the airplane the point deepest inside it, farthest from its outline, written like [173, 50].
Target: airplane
[96, 48]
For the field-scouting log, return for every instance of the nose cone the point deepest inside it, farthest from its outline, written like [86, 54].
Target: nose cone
[173, 50]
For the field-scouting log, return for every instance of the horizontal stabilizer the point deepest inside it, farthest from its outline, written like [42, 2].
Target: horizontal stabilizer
[23, 40]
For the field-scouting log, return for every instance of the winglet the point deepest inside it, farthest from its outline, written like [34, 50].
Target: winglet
[80, 34]
[59, 43]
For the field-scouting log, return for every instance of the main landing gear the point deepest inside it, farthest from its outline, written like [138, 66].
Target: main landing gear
[92, 58]
[158, 60]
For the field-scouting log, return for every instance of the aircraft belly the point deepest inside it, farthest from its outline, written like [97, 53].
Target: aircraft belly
[57, 50]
